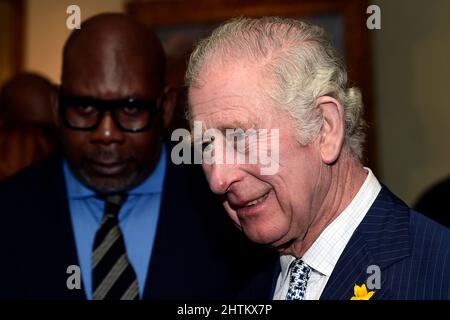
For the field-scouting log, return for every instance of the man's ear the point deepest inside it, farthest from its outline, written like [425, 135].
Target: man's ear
[331, 136]
[168, 104]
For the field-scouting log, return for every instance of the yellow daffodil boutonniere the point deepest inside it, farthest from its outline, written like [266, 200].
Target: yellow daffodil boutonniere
[361, 293]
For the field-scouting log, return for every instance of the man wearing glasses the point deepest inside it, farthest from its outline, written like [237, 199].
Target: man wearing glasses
[114, 205]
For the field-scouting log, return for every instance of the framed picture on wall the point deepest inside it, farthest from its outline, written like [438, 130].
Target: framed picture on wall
[180, 24]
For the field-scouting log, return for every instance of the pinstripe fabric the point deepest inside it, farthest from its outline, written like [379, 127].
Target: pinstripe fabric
[412, 251]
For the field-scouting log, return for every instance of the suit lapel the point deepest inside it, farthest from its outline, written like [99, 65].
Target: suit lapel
[163, 241]
[261, 285]
[67, 245]
[60, 248]
[350, 270]
[381, 239]
[173, 257]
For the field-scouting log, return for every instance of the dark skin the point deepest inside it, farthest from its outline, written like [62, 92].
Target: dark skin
[114, 57]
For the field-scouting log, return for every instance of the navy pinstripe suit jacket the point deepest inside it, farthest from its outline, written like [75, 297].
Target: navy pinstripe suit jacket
[412, 252]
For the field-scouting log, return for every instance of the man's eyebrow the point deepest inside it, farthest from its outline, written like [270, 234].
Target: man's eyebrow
[237, 124]
[232, 125]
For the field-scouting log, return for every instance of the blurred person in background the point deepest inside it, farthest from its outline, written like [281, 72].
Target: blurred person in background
[27, 126]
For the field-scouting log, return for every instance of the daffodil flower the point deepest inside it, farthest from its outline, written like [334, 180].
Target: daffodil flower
[361, 293]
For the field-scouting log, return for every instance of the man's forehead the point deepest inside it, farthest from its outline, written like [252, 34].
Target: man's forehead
[110, 82]
[228, 117]
[111, 68]
[106, 90]
[230, 96]
[227, 76]
[225, 93]
[225, 112]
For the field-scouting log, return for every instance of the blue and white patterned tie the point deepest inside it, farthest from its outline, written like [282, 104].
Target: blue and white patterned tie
[299, 276]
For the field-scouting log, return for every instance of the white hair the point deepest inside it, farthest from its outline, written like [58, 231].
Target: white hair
[300, 59]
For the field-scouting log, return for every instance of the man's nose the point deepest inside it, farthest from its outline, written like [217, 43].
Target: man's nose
[107, 131]
[221, 177]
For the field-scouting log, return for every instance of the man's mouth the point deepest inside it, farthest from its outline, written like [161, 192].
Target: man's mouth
[253, 207]
[108, 168]
[259, 200]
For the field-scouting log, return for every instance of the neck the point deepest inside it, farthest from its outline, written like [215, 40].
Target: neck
[337, 185]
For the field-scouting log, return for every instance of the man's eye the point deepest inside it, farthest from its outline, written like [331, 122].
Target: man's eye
[130, 110]
[239, 136]
[86, 109]
[206, 146]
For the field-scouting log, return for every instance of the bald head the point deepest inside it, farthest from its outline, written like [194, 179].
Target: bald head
[26, 99]
[110, 52]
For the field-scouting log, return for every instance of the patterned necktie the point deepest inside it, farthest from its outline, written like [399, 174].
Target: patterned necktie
[299, 276]
[113, 277]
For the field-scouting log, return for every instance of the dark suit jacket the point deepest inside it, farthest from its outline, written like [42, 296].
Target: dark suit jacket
[434, 202]
[197, 252]
[412, 251]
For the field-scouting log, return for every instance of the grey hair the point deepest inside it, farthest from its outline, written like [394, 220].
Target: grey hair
[301, 60]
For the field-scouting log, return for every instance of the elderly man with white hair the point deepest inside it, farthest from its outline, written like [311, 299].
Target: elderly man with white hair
[339, 232]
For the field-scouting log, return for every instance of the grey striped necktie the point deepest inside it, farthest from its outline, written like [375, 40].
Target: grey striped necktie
[113, 277]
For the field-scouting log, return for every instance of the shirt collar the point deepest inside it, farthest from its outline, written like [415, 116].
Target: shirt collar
[324, 253]
[152, 185]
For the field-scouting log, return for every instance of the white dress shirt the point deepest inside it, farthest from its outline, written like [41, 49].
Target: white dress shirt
[324, 253]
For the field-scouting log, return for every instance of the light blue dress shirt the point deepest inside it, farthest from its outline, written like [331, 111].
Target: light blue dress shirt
[138, 219]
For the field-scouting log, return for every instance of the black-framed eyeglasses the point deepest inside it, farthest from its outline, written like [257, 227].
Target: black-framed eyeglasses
[85, 113]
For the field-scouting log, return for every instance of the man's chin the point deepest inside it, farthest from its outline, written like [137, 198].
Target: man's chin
[110, 184]
[263, 236]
